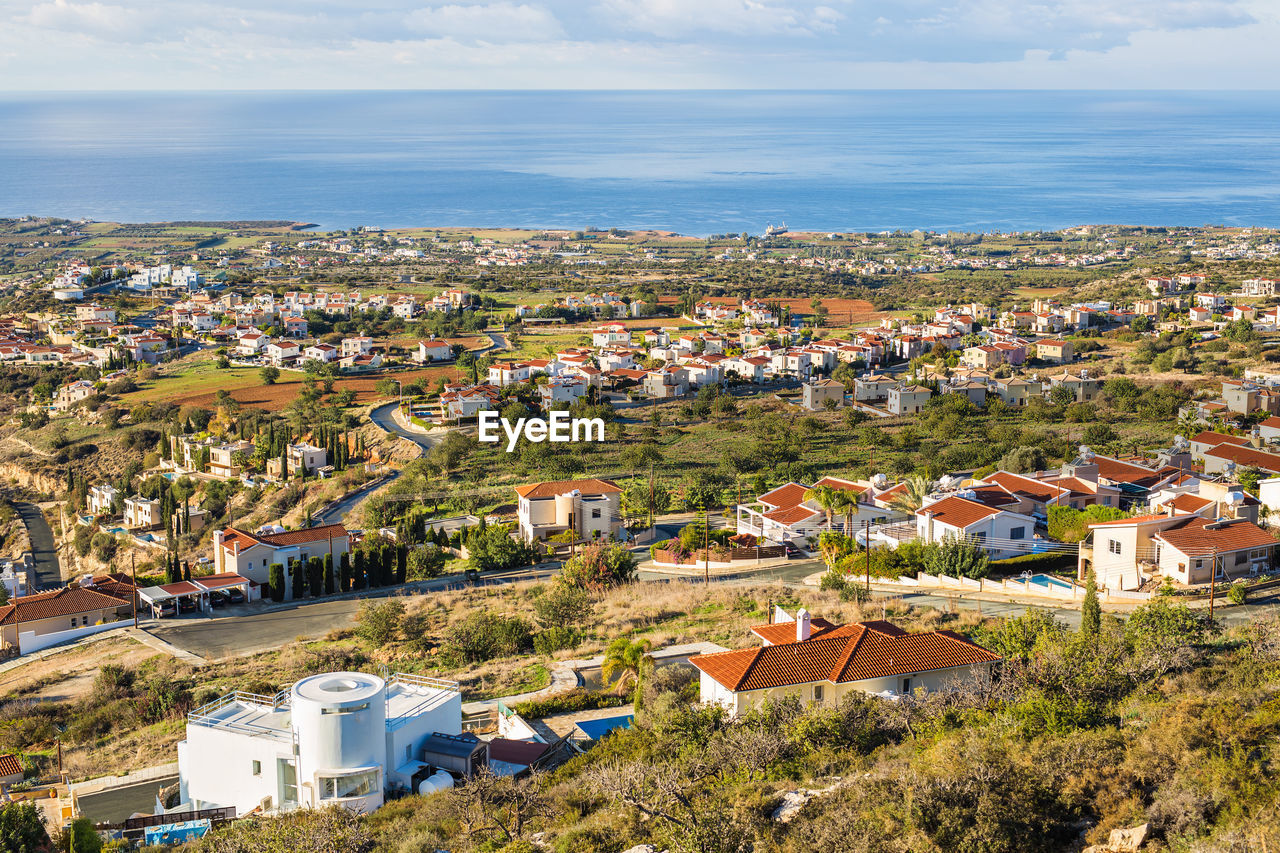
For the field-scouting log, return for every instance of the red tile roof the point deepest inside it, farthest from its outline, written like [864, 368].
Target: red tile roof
[787, 495]
[1197, 536]
[234, 535]
[791, 514]
[837, 483]
[9, 765]
[785, 632]
[1247, 457]
[69, 601]
[1036, 490]
[534, 491]
[958, 512]
[851, 653]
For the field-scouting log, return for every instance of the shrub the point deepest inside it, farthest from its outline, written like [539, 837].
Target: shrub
[599, 567]
[564, 703]
[482, 636]
[1237, 594]
[380, 621]
[551, 640]
[275, 582]
[563, 605]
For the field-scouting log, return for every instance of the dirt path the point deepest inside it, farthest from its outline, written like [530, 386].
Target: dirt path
[70, 675]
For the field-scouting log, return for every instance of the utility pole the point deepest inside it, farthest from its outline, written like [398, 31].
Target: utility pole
[706, 548]
[1213, 579]
[133, 571]
[866, 535]
[651, 497]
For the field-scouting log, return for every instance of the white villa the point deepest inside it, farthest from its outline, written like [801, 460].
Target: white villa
[588, 507]
[339, 738]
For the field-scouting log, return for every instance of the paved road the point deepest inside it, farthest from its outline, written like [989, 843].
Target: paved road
[338, 510]
[48, 573]
[382, 417]
[117, 804]
[230, 636]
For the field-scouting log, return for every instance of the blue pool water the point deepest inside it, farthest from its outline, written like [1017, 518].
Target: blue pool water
[1048, 581]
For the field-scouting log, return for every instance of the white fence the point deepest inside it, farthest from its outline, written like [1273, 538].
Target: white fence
[1017, 586]
[29, 641]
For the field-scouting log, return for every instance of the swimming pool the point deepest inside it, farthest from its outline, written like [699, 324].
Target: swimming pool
[1048, 582]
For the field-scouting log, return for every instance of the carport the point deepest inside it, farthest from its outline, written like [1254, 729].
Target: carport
[155, 597]
[226, 582]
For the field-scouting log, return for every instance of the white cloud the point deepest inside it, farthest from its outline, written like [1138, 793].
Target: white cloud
[495, 22]
[682, 18]
[95, 19]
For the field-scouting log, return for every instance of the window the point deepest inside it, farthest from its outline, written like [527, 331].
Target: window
[1017, 533]
[351, 710]
[1242, 557]
[1113, 545]
[360, 784]
[817, 692]
[257, 768]
[73, 621]
[595, 513]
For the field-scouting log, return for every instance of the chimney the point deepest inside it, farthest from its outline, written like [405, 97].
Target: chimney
[1169, 509]
[803, 628]
[1255, 437]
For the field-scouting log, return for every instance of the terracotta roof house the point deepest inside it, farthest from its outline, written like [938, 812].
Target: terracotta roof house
[10, 770]
[32, 622]
[818, 662]
[1000, 532]
[251, 555]
[591, 508]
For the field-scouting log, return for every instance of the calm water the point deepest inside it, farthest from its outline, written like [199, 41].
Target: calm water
[696, 162]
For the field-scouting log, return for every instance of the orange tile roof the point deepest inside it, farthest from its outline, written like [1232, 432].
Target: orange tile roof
[791, 514]
[958, 512]
[290, 537]
[843, 485]
[9, 765]
[856, 652]
[1189, 503]
[786, 495]
[1037, 490]
[1213, 439]
[1197, 536]
[68, 601]
[534, 491]
[785, 632]
[1247, 456]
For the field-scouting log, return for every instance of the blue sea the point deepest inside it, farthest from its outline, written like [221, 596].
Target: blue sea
[693, 162]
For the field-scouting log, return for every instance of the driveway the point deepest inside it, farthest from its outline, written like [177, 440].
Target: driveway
[48, 572]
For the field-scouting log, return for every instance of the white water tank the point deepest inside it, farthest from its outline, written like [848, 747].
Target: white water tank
[340, 720]
[438, 781]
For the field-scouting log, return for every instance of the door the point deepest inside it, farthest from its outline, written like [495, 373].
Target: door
[288, 776]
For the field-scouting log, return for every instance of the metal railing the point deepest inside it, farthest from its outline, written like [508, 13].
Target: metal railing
[205, 714]
[418, 682]
[218, 815]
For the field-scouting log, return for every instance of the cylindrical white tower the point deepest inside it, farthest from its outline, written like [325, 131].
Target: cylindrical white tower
[340, 720]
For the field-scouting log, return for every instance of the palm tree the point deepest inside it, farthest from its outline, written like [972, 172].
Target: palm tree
[827, 498]
[848, 502]
[625, 662]
[1189, 425]
[912, 497]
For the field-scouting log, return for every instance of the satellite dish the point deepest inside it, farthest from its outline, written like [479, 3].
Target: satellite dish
[879, 481]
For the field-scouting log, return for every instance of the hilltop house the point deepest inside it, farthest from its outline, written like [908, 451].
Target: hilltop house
[818, 662]
[589, 508]
[250, 555]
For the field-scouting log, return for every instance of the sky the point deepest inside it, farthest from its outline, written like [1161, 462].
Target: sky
[638, 44]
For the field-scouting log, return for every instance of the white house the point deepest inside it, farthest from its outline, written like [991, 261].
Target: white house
[250, 555]
[433, 351]
[338, 738]
[141, 512]
[999, 532]
[102, 499]
[359, 345]
[323, 353]
[815, 661]
[590, 508]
